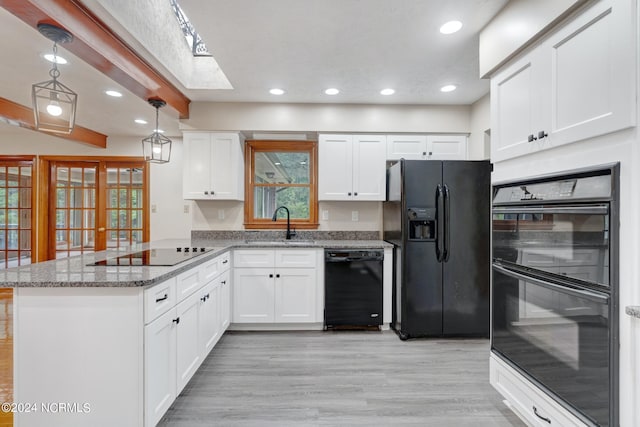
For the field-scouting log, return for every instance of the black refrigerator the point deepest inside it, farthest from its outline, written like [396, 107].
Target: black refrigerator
[437, 215]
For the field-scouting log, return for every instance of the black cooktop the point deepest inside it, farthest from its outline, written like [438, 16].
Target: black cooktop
[155, 257]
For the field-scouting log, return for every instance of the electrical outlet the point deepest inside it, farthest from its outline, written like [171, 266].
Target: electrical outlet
[354, 215]
[220, 214]
[325, 215]
[185, 209]
[154, 208]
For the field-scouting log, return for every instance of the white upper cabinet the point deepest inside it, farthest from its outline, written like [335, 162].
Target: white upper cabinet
[213, 166]
[447, 147]
[577, 84]
[351, 167]
[427, 147]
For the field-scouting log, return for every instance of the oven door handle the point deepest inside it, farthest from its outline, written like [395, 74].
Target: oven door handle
[582, 210]
[593, 296]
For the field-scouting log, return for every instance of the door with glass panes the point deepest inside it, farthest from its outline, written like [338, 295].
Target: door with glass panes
[96, 205]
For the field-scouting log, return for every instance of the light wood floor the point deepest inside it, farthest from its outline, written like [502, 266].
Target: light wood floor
[341, 378]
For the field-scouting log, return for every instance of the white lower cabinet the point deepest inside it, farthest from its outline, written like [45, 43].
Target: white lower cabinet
[295, 295]
[178, 337]
[530, 403]
[189, 355]
[159, 367]
[285, 291]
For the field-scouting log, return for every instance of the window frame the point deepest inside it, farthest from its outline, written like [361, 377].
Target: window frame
[257, 146]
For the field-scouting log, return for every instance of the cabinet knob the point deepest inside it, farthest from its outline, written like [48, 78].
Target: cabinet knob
[271, 275]
[211, 192]
[431, 153]
[206, 193]
[531, 138]
[203, 299]
[355, 194]
[542, 134]
[223, 282]
[277, 275]
[349, 193]
[424, 153]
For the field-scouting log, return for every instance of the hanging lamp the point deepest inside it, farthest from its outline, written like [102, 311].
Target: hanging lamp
[54, 104]
[156, 148]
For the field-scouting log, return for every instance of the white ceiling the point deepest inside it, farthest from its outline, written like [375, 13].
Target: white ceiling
[302, 46]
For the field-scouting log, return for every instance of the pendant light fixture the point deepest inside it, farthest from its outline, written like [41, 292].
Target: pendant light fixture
[156, 148]
[54, 104]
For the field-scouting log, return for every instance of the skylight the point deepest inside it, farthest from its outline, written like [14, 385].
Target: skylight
[194, 40]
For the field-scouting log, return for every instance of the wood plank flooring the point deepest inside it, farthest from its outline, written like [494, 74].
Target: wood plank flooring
[341, 378]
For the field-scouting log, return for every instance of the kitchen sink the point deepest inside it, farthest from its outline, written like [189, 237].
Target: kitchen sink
[280, 242]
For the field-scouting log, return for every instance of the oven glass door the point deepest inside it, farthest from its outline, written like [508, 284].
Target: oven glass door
[570, 241]
[557, 335]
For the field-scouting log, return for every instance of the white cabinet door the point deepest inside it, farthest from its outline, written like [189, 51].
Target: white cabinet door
[592, 74]
[227, 167]
[225, 301]
[369, 171]
[516, 95]
[196, 165]
[188, 354]
[253, 293]
[409, 147]
[447, 147]
[209, 317]
[213, 166]
[335, 167]
[295, 295]
[159, 367]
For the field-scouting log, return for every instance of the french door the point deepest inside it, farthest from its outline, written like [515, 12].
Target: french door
[16, 213]
[96, 205]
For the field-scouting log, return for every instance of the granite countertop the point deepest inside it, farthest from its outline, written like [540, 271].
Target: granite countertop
[633, 310]
[77, 271]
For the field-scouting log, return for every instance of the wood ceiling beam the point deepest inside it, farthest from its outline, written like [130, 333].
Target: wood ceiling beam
[12, 111]
[96, 44]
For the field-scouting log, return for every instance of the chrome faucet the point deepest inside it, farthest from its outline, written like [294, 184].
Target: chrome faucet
[290, 233]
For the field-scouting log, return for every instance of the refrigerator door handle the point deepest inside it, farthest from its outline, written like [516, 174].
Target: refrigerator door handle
[446, 225]
[439, 222]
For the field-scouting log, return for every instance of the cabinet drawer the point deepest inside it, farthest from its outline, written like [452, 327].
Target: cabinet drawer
[224, 261]
[528, 401]
[296, 258]
[189, 282]
[159, 299]
[210, 270]
[258, 258]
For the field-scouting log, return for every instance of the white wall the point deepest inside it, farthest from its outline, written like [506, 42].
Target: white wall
[169, 221]
[229, 116]
[480, 122]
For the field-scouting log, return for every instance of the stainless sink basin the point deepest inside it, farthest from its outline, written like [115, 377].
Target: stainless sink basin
[280, 242]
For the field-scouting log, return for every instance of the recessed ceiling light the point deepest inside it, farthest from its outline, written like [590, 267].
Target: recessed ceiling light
[59, 59]
[332, 91]
[276, 91]
[387, 91]
[113, 93]
[141, 121]
[451, 27]
[448, 88]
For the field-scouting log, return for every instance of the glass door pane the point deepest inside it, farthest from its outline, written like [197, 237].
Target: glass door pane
[125, 204]
[74, 204]
[15, 212]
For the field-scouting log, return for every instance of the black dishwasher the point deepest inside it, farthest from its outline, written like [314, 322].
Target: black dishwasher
[352, 287]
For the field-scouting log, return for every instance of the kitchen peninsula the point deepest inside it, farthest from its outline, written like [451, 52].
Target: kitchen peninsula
[115, 344]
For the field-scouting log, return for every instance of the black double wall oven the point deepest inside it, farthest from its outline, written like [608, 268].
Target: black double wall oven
[555, 287]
